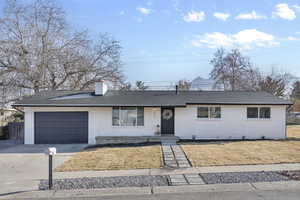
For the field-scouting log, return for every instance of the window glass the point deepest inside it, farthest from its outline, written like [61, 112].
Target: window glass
[140, 116]
[115, 116]
[128, 116]
[252, 112]
[202, 112]
[265, 112]
[215, 112]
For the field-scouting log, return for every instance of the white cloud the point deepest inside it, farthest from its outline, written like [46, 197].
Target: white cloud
[122, 12]
[194, 16]
[247, 39]
[221, 16]
[251, 15]
[144, 11]
[212, 40]
[292, 38]
[283, 11]
[296, 7]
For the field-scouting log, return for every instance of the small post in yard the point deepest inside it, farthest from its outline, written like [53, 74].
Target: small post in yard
[50, 151]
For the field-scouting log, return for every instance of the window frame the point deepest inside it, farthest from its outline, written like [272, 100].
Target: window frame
[257, 110]
[265, 117]
[258, 113]
[209, 113]
[119, 109]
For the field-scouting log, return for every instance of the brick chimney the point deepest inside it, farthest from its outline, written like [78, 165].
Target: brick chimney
[100, 88]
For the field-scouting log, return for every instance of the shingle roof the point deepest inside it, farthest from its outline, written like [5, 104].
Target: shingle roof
[151, 98]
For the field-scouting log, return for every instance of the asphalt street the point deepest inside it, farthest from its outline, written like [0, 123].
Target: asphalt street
[237, 195]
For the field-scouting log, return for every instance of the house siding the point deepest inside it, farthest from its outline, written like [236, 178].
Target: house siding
[232, 125]
[100, 122]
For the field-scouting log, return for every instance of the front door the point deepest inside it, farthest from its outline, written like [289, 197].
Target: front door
[167, 121]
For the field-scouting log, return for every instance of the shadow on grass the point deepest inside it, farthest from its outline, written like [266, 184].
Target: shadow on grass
[93, 147]
[207, 142]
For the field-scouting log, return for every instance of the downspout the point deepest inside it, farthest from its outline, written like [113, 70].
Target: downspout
[288, 107]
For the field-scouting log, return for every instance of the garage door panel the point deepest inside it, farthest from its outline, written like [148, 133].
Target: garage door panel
[61, 127]
[65, 124]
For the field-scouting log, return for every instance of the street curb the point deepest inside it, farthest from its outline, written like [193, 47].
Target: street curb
[53, 194]
[259, 186]
[189, 170]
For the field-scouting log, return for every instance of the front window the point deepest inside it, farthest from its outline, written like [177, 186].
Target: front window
[209, 112]
[128, 116]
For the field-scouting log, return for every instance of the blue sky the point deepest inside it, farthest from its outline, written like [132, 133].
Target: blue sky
[167, 40]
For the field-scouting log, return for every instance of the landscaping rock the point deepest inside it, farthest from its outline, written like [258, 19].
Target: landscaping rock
[242, 177]
[105, 182]
[295, 175]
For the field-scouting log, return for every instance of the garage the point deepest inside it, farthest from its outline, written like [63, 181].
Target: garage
[60, 127]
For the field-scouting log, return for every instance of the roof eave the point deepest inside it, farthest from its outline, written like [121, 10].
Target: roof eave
[98, 105]
[144, 105]
[224, 103]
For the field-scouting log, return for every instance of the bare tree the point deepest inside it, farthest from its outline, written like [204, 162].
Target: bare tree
[184, 84]
[233, 70]
[296, 90]
[38, 50]
[125, 86]
[275, 83]
[218, 72]
[275, 86]
[140, 85]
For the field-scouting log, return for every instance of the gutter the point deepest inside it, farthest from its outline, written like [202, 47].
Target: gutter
[94, 105]
[141, 105]
[15, 107]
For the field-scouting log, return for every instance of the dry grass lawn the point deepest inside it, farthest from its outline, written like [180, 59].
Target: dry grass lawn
[114, 158]
[244, 152]
[293, 131]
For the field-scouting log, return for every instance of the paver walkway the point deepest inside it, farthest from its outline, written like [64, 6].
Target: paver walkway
[185, 179]
[174, 156]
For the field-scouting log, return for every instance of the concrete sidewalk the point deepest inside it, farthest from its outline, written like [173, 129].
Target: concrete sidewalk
[22, 183]
[191, 170]
[260, 186]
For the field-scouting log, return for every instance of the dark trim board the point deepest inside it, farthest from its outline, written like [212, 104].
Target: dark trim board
[140, 105]
[60, 127]
[86, 106]
[238, 104]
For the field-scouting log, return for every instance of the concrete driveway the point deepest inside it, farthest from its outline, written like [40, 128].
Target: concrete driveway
[22, 166]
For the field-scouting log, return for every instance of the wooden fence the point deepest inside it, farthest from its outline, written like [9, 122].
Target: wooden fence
[16, 131]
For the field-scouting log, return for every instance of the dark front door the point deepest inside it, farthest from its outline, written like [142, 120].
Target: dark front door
[61, 127]
[167, 121]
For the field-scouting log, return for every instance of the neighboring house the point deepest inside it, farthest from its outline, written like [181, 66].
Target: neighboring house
[205, 85]
[293, 118]
[5, 115]
[80, 116]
